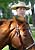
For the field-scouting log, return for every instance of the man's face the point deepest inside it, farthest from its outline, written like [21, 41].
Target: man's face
[21, 11]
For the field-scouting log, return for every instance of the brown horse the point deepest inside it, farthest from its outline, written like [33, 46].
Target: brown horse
[17, 34]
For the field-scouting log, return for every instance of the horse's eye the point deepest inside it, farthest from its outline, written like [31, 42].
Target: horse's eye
[23, 29]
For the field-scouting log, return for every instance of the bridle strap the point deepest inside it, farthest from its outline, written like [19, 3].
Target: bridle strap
[30, 46]
[18, 33]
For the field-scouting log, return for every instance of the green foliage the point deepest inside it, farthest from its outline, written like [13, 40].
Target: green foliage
[30, 19]
[4, 5]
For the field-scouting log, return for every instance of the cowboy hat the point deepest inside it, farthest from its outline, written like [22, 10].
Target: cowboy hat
[20, 4]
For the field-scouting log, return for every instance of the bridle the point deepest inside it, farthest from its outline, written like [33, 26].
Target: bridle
[32, 43]
[30, 46]
[18, 33]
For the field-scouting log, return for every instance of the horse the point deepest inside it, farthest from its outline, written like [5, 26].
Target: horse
[16, 33]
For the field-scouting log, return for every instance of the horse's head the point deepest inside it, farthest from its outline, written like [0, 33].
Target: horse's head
[24, 31]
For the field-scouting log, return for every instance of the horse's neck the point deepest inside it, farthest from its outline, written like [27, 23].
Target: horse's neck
[4, 33]
[4, 42]
[4, 39]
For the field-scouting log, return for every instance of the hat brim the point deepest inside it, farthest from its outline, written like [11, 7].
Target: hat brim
[15, 6]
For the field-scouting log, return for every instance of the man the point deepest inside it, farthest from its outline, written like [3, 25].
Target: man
[20, 8]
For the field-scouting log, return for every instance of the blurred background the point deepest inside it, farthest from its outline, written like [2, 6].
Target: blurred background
[6, 13]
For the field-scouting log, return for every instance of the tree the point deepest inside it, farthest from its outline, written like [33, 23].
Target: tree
[4, 4]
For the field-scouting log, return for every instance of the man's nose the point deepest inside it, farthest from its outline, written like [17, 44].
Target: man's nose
[22, 9]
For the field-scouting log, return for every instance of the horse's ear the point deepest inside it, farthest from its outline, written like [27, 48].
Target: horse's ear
[14, 18]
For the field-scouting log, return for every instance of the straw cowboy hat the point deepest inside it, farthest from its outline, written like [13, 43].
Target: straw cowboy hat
[20, 4]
